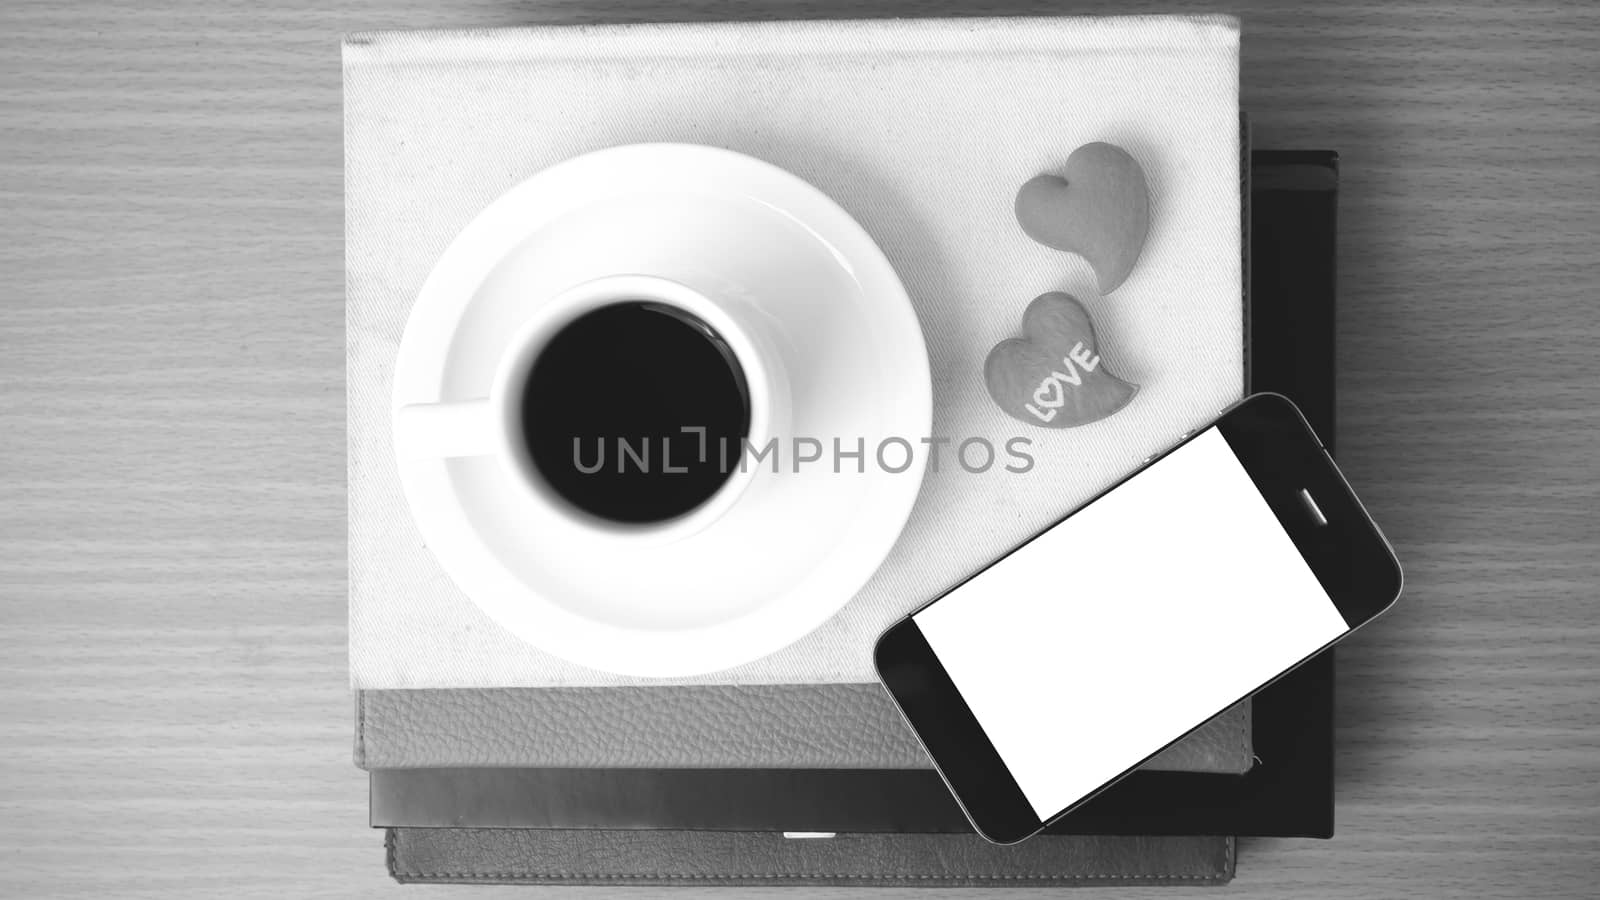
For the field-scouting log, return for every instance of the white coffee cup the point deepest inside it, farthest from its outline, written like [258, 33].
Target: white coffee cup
[493, 425]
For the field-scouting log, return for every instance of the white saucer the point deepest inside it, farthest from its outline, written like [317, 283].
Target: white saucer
[766, 573]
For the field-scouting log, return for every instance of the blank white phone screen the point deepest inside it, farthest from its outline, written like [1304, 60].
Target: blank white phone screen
[1133, 621]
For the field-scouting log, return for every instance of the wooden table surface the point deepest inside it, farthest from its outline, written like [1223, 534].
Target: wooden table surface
[174, 718]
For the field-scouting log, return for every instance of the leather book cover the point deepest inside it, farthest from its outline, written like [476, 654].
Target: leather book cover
[728, 859]
[798, 726]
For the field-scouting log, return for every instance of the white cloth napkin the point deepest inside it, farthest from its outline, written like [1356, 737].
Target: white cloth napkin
[923, 130]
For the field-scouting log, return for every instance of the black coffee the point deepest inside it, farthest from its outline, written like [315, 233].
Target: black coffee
[608, 400]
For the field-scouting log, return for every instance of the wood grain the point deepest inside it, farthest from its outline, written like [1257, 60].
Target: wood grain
[173, 712]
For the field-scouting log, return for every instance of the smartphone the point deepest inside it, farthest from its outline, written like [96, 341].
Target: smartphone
[1196, 581]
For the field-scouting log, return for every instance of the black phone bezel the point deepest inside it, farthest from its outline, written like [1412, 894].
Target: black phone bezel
[1282, 454]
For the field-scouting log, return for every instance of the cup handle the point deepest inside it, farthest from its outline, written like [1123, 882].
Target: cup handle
[444, 430]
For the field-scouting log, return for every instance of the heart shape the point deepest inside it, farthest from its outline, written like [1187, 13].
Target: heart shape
[1054, 398]
[1053, 376]
[1100, 210]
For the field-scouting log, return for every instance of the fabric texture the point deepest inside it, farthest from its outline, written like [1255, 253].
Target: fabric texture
[923, 130]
